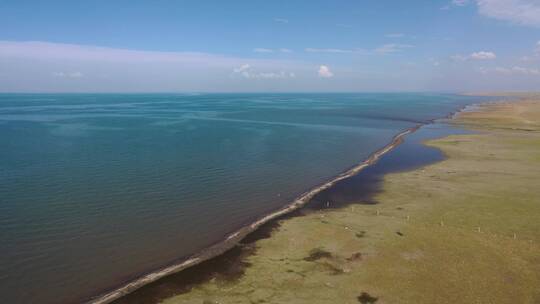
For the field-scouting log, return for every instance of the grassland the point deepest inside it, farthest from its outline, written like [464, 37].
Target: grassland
[464, 230]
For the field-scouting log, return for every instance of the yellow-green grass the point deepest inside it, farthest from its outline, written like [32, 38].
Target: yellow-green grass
[464, 230]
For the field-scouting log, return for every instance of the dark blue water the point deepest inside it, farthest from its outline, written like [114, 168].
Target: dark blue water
[98, 188]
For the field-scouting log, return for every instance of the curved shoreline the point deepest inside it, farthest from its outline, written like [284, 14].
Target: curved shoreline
[232, 239]
[235, 237]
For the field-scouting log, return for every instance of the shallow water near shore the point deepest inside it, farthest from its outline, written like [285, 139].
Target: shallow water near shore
[409, 155]
[98, 189]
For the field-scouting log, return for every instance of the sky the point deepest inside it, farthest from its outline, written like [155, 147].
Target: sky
[269, 46]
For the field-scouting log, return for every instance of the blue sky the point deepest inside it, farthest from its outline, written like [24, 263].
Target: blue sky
[221, 46]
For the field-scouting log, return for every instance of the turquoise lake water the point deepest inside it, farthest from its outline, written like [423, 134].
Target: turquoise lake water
[96, 189]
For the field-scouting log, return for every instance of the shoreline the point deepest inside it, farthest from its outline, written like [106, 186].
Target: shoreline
[237, 236]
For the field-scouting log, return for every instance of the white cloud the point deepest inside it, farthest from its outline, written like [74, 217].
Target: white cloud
[392, 48]
[455, 3]
[384, 49]
[73, 52]
[68, 74]
[483, 55]
[246, 71]
[262, 50]
[324, 72]
[332, 50]
[460, 2]
[281, 20]
[242, 68]
[434, 61]
[534, 56]
[523, 12]
[515, 70]
[274, 75]
[394, 35]
[523, 70]
[265, 50]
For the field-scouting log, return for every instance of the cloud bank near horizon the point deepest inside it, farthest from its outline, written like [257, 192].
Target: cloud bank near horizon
[57, 67]
[45, 66]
